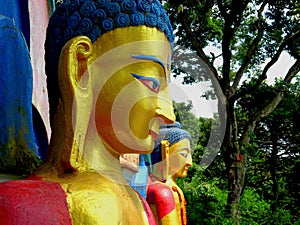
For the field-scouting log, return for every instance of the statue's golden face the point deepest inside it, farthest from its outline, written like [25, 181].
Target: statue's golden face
[133, 98]
[180, 158]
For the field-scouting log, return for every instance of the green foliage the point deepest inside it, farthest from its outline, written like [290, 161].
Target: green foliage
[187, 119]
[260, 125]
[274, 150]
[206, 203]
[199, 14]
[255, 210]
[266, 199]
[199, 128]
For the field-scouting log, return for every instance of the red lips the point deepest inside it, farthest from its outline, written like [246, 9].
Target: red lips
[153, 134]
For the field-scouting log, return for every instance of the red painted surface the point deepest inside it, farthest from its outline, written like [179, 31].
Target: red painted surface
[150, 216]
[33, 177]
[161, 195]
[239, 157]
[33, 202]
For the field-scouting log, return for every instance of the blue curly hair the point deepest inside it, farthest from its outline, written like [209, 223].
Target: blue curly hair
[92, 18]
[171, 132]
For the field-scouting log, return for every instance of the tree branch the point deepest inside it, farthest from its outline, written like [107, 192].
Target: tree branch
[252, 48]
[197, 46]
[272, 105]
[222, 8]
[232, 21]
[274, 59]
[292, 71]
[250, 126]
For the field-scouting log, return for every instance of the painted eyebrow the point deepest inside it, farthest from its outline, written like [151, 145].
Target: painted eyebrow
[144, 77]
[186, 149]
[153, 59]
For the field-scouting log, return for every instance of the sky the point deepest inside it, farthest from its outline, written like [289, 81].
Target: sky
[206, 108]
[184, 93]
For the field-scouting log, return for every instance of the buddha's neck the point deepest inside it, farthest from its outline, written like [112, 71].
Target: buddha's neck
[82, 151]
[171, 180]
[103, 160]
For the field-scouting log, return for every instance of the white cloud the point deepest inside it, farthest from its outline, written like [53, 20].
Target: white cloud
[194, 92]
[280, 68]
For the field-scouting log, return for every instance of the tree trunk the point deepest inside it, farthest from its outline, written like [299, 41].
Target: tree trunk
[273, 170]
[236, 178]
[235, 164]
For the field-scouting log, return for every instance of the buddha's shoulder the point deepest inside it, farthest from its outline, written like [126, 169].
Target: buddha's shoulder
[94, 199]
[94, 188]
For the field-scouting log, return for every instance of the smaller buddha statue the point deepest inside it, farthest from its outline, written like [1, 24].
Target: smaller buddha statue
[170, 159]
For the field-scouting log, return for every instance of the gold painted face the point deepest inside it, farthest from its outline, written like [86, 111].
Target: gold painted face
[180, 158]
[133, 97]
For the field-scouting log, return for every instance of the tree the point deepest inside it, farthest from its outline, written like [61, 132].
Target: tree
[248, 34]
[275, 166]
[187, 119]
[200, 129]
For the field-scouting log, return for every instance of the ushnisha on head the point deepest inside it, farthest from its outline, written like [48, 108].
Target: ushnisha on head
[178, 157]
[93, 18]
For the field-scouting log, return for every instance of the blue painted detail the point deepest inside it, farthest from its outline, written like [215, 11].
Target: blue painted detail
[18, 11]
[16, 127]
[146, 78]
[148, 162]
[40, 133]
[139, 180]
[150, 82]
[51, 4]
[151, 58]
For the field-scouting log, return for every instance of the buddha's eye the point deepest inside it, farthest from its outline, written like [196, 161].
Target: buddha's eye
[149, 82]
[184, 154]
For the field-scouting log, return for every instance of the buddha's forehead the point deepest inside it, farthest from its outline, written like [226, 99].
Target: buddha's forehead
[183, 144]
[130, 41]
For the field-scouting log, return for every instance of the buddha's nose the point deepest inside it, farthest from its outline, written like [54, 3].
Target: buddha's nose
[165, 108]
[189, 161]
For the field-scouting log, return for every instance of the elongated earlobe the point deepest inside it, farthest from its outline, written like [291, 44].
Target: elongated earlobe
[165, 151]
[73, 66]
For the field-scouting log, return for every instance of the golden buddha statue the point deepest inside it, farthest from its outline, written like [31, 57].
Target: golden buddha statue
[170, 159]
[108, 69]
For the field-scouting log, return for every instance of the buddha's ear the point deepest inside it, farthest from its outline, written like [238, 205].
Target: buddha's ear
[75, 58]
[73, 63]
[165, 153]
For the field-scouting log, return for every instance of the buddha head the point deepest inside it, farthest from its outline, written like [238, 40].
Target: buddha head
[171, 156]
[108, 69]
